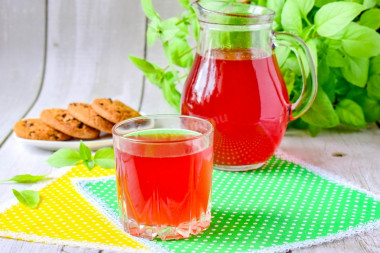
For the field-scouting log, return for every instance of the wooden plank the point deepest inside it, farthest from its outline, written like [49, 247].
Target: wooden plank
[352, 156]
[359, 165]
[22, 39]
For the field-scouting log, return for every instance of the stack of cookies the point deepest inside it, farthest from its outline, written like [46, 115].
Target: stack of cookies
[79, 120]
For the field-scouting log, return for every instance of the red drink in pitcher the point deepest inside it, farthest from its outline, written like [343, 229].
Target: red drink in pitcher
[245, 98]
[236, 84]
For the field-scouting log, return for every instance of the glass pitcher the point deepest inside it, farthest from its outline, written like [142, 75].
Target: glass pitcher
[235, 82]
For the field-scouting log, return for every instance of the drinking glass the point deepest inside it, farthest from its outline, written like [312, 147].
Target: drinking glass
[164, 171]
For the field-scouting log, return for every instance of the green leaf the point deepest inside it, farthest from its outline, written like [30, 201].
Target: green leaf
[313, 51]
[361, 41]
[323, 71]
[371, 109]
[375, 65]
[292, 63]
[196, 28]
[185, 4]
[320, 3]
[105, 158]
[277, 6]
[156, 77]
[333, 17]
[314, 130]
[181, 52]
[369, 3]
[305, 6]
[64, 157]
[321, 113]
[350, 113]
[282, 54]
[371, 18]
[152, 33]
[373, 87]
[90, 164]
[291, 19]
[84, 152]
[356, 71]
[142, 64]
[335, 58]
[26, 178]
[28, 198]
[342, 87]
[170, 29]
[171, 95]
[149, 10]
[289, 78]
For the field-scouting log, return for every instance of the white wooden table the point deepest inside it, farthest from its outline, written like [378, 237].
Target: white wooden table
[56, 52]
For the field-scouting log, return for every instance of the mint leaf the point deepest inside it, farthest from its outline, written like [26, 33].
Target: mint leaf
[371, 18]
[333, 17]
[142, 64]
[26, 178]
[356, 70]
[28, 198]
[321, 113]
[64, 157]
[84, 152]
[291, 19]
[105, 158]
[373, 87]
[350, 113]
[361, 41]
[149, 10]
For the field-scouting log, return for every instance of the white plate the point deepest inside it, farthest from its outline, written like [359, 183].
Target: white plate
[103, 141]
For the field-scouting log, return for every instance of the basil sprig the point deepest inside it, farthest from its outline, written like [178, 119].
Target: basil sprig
[103, 157]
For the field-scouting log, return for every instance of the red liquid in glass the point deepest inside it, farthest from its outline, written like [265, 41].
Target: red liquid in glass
[164, 190]
[244, 98]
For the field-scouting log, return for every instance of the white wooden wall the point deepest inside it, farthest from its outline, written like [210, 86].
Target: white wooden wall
[53, 52]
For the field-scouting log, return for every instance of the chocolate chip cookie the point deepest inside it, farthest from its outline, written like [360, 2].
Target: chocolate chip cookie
[113, 110]
[36, 129]
[63, 121]
[87, 115]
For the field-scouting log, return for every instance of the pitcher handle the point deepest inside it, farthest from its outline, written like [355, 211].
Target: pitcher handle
[309, 88]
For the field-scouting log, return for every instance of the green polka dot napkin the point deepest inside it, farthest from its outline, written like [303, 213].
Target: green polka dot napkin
[281, 206]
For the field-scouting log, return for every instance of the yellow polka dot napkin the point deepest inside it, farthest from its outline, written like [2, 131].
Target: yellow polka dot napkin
[65, 217]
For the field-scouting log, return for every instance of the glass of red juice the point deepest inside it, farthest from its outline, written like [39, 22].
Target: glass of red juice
[164, 173]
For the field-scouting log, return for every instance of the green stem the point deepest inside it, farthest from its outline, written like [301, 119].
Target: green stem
[186, 52]
[171, 65]
[307, 20]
